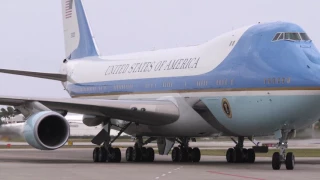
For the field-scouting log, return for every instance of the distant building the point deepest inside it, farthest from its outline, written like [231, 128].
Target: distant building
[15, 119]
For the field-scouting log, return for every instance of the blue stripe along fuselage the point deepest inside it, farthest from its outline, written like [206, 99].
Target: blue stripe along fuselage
[255, 62]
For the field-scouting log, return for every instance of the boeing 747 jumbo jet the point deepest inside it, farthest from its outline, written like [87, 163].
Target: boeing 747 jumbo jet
[259, 80]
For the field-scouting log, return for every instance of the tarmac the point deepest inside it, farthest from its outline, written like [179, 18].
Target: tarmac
[293, 143]
[76, 164]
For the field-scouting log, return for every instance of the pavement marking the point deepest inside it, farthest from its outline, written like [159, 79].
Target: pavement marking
[233, 175]
[169, 172]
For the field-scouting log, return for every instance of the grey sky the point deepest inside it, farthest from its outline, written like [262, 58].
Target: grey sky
[32, 35]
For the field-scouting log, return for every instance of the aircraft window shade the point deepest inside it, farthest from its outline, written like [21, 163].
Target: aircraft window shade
[281, 36]
[276, 37]
[292, 36]
[305, 37]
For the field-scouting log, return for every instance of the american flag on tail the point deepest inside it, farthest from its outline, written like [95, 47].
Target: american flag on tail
[69, 4]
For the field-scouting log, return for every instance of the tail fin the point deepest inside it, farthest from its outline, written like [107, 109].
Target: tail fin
[78, 38]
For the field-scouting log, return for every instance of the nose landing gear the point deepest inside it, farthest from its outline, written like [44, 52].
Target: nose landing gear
[282, 157]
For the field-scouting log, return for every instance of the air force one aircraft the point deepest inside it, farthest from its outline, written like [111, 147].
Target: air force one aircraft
[263, 79]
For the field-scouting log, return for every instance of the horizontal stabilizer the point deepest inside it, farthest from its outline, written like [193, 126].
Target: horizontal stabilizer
[52, 76]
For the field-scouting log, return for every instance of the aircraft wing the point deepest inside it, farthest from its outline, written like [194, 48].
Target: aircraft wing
[155, 112]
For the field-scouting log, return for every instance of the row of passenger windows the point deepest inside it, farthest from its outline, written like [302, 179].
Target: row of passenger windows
[202, 83]
[123, 86]
[278, 80]
[151, 85]
[168, 84]
[294, 36]
[222, 82]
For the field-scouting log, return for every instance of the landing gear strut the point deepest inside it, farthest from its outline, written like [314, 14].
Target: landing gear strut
[184, 153]
[138, 153]
[238, 154]
[106, 153]
[282, 157]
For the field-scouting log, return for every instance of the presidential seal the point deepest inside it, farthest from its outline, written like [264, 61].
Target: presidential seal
[226, 107]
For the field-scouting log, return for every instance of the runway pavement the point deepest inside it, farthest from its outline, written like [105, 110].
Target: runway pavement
[293, 143]
[69, 164]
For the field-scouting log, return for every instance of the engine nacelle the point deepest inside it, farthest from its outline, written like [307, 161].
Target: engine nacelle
[46, 130]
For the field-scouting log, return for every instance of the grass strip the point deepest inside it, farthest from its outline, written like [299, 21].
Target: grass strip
[204, 152]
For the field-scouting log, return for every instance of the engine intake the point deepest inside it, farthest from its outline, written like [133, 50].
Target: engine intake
[46, 130]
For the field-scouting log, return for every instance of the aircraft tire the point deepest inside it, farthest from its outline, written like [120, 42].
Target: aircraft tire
[251, 156]
[237, 155]
[110, 155]
[244, 155]
[129, 154]
[196, 154]
[276, 161]
[175, 154]
[117, 155]
[190, 154]
[150, 154]
[290, 161]
[183, 154]
[102, 154]
[229, 155]
[144, 155]
[136, 155]
[95, 154]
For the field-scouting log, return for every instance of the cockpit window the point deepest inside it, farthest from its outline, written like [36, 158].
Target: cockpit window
[304, 36]
[292, 36]
[280, 37]
[276, 36]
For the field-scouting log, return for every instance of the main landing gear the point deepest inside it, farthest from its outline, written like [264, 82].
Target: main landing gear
[138, 153]
[109, 154]
[238, 154]
[184, 153]
[282, 157]
[106, 153]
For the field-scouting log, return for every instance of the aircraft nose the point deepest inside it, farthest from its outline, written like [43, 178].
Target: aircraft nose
[311, 57]
[312, 54]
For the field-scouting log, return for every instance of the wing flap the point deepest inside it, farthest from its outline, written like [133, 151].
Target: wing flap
[156, 112]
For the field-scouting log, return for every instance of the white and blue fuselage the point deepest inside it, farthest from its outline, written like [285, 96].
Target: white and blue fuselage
[251, 82]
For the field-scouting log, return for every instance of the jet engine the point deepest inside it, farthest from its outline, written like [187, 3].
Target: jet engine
[46, 130]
